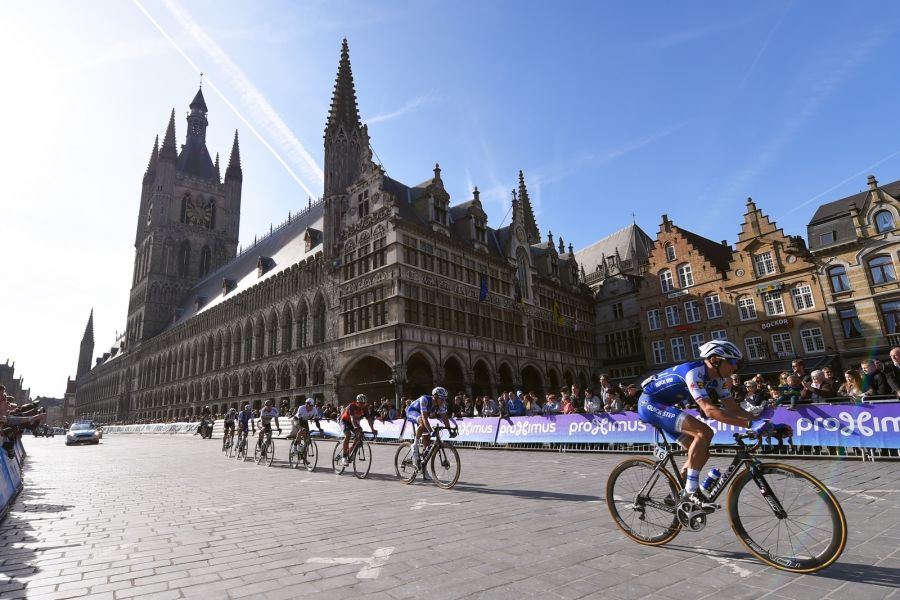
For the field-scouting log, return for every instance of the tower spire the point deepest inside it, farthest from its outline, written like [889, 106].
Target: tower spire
[531, 228]
[218, 172]
[168, 151]
[86, 352]
[154, 156]
[234, 163]
[344, 109]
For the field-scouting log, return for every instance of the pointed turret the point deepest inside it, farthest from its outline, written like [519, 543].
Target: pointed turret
[218, 172]
[86, 352]
[531, 228]
[168, 150]
[151, 165]
[198, 103]
[234, 163]
[344, 110]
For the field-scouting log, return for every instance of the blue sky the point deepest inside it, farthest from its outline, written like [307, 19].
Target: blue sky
[610, 109]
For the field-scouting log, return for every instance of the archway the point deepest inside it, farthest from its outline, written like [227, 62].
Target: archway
[506, 378]
[454, 380]
[568, 378]
[532, 380]
[553, 378]
[481, 384]
[419, 376]
[370, 376]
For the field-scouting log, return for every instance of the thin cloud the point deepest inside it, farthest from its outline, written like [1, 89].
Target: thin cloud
[252, 98]
[409, 106]
[686, 36]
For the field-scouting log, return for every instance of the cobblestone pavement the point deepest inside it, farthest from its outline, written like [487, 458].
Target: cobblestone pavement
[170, 517]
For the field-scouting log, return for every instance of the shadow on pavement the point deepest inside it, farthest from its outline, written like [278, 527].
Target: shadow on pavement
[534, 494]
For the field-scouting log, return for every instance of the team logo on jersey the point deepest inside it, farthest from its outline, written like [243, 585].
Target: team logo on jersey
[698, 384]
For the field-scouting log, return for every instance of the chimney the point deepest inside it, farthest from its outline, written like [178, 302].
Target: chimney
[873, 183]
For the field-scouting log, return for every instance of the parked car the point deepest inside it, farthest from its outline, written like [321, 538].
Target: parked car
[82, 433]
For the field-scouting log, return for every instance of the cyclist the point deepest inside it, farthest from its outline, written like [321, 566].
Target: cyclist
[305, 413]
[693, 380]
[266, 415]
[350, 419]
[245, 420]
[424, 408]
[230, 420]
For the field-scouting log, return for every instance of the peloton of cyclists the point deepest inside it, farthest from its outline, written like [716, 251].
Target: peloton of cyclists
[350, 420]
[266, 415]
[693, 380]
[424, 408]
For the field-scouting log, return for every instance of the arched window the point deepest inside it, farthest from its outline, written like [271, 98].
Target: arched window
[670, 252]
[319, 322]
[881, 269]
[205, 260]
[184, 204]
[522, 276]
[212, 213]
[666, 282]
[839, 280]
[685, 275]
[184, 258]
[168, 257]
[884, 221]
[302, 327]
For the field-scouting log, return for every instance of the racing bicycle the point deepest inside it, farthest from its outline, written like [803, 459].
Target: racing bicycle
[785, 517]
[360, 455]
[305, 453]
[265, 450]
[240, 446]
[441, 459]
[228, 442]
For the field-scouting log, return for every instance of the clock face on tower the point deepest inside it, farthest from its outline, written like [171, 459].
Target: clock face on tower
[199, 212]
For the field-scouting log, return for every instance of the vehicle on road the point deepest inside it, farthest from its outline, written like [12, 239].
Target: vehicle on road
[83, 432]
[785, 517]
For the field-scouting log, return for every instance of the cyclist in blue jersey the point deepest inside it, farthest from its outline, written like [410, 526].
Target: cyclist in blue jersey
[663, 392]
[424, 408]
[245, 419]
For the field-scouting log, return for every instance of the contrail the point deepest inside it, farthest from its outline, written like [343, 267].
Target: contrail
[277, 128]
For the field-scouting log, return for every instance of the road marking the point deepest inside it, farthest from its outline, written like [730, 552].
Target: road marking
[420, 504]
[373, 564]
[861, 493]
[735, 568]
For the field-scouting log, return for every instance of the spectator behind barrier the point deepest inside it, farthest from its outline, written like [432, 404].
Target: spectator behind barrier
[874, 382]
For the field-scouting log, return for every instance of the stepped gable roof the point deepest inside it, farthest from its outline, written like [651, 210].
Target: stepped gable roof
[630, 242]
[286, 247]
[839, 207]
[718, 254]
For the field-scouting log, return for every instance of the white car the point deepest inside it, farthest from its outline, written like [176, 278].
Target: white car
[82, 433]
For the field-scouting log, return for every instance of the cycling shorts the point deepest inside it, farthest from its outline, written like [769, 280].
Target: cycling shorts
[229, 425]
[668, 418]
[265, 427]
[413, 416]
[302, 423]
[348, 426]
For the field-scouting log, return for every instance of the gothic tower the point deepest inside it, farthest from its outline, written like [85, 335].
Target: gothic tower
[347, 154]
[86, 353]
[188, 223]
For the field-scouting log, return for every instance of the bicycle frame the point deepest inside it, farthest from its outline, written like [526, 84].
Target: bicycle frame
[742, 458]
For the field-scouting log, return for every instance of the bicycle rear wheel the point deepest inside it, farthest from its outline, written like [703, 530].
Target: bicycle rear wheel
[311, 455]
[445, 466]
[258, 452]
[241, 452]
[645, 517]
[337, 456]
[294, 455]
[405, 463]
[270, 452]
[229, 451]
[362, 460]
[809, 538]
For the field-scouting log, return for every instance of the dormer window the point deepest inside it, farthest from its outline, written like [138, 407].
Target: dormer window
[199, 302]
[264, 265]
[480, 232]
[440, 212]
[554, 267]
[228, 285]
[884, 221]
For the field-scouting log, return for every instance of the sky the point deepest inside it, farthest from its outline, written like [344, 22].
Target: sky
[615, 111]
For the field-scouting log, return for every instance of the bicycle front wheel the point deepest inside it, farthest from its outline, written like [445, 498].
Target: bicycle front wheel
[337, 458]
[311, 456]
[362, 460]
[642, 501]
[405, 463]
[810, 537]
[270, 452]
[294, 455]
[258, 452]
[445, 466]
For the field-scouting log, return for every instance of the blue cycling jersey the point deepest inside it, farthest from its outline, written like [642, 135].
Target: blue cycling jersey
[425, 404]
[244, 417]
[681, 382]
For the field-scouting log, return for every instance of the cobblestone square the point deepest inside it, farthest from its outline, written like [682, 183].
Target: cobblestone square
[170, 517]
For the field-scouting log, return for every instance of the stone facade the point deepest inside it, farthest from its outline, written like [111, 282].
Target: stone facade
[774, 293]
[379, 288]
[683, 297]
[854, 242]
[15, 386]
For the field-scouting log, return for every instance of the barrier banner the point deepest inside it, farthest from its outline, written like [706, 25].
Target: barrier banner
[387, 430]
[10, 478]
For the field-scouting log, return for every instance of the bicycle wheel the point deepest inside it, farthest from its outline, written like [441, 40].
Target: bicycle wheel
[270, 452]
[445, 466]
[258, 452]
[229, 451]
[362, 460]
[241, 449]
[294, 455]
[336, 458]
[810, 538]
[644, 517]
[404, 463]
[225, 444]
[311, 455]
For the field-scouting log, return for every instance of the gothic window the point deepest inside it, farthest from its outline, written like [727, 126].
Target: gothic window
[302, 327]
[287, 329]
[212, 213]
[522, 276]
[319, 322]
[205, 260]
[318, 373]
[184, 205]
[301, 375]
[184, 259]
[884, 221]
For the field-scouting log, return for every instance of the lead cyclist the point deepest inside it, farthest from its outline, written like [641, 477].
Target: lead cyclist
[662, 393]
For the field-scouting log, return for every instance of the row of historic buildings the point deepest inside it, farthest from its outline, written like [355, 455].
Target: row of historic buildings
[390, 289]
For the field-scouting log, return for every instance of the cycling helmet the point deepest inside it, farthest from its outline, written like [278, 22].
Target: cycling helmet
[231, 411]
[310, 401]
[439, 392]
[270, 402]
[721, 348]
[246, 407]
[361, 398]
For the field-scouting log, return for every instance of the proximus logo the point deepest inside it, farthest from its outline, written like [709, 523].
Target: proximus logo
[863, 424]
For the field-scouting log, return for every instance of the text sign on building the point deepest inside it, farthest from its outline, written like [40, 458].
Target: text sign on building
[773, 287]
[677, 294]
[782, 323]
